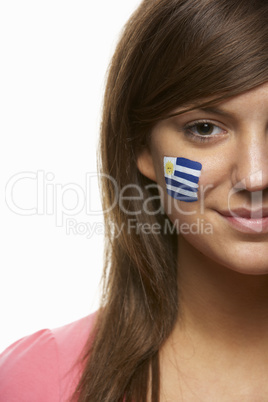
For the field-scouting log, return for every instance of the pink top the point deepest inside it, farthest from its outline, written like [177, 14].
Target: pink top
[43, 367]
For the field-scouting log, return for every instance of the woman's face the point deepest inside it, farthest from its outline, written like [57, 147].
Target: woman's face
[229, 222]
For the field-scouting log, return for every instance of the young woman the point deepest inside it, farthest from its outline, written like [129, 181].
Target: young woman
[184, 147]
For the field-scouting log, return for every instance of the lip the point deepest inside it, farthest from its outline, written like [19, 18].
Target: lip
[247, 220]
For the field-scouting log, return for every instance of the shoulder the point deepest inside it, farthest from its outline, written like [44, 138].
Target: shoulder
[44, 366]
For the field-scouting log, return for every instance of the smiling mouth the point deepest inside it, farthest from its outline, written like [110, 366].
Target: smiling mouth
[246, 220]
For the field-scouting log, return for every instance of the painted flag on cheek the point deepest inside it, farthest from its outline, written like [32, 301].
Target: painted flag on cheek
[182, 177]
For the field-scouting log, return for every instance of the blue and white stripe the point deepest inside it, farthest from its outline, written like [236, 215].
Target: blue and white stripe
[182, 180]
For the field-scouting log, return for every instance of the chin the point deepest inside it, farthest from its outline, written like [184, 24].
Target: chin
[251, 269]
[248, 258]
[247, 265]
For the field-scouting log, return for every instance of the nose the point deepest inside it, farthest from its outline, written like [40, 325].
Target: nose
[251, 166]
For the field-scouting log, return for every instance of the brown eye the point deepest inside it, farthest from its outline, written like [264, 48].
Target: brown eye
[203, 131]
[204, 128]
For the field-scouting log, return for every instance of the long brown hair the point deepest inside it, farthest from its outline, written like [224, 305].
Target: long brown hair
[171, 53]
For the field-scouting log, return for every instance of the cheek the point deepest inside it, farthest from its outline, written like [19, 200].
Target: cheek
[214, 185]
[216, 175]
[181, 178]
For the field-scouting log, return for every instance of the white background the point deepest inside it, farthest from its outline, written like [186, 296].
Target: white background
[54, 55]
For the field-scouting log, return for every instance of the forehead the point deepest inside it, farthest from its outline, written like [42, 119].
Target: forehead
[256, 98]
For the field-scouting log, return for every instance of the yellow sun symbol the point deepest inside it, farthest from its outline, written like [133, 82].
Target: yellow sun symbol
[169, 168]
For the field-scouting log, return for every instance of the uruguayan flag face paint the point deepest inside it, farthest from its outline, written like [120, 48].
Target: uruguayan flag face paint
[182, 177]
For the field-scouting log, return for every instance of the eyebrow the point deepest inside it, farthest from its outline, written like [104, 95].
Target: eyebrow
[206, 109]
[216, 111]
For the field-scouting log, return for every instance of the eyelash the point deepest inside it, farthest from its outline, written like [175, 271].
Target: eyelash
[199, 137]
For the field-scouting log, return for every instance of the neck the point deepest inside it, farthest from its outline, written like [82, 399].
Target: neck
[217, 300]
[221, 336]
